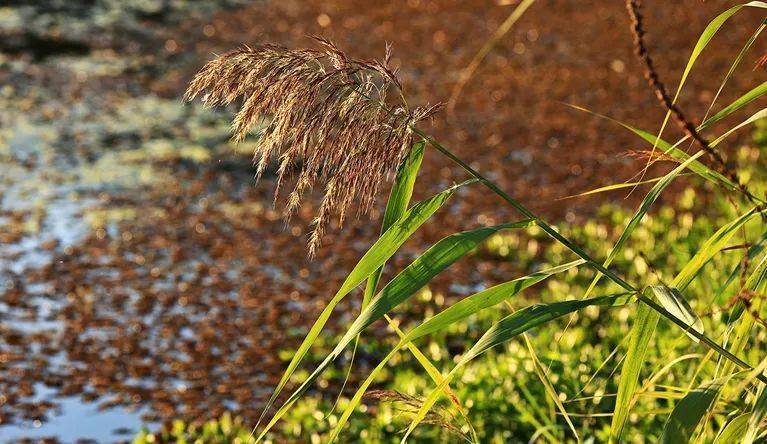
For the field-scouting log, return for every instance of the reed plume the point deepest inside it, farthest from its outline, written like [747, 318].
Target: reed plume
[329, 118]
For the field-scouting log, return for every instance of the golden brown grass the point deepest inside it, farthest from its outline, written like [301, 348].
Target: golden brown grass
[328, 117]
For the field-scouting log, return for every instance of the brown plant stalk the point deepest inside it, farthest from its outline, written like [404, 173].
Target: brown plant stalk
[323, 115]
[640, 47]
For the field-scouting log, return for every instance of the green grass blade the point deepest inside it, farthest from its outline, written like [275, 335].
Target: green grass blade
[399, 199]
[672, 150]
[375, 257]
[734, 431]
[709, 248]
[613, 187]
[510, 327]
[757, 284]
[673, 301]
[406, 283]
[642, 331]
[734, 65]
[711, 29]
[756, 417]
[756, 116]
[688, 412]
[484, 299]
[455, 313]
[742, 101]
[644, 207]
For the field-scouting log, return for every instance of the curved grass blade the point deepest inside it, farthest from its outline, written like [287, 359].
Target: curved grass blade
[688, 412]
[641, 332]
[734, 431]
[613, 187]
[406, 283]
[734, 65]
[469, 70]
[510, 327]
[375, 257]
[455, 313]
[708, 33]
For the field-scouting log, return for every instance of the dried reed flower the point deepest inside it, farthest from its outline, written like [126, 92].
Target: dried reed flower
[410, 404]
[653, 156]
[321, 113]
[761, 62]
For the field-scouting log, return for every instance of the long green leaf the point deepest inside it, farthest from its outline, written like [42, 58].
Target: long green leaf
[673, 301]
[742, 101]
[733, 431]
[399, 199]
[373, 259]
[484, 299]
[510, 327]
[407, 282]
[455, 313]
[688, 412]
[642, 331]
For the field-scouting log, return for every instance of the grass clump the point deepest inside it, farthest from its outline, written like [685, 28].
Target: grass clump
[651, 319]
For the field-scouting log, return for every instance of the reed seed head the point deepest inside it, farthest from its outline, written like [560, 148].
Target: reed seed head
[328, 119]
[761, 63]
